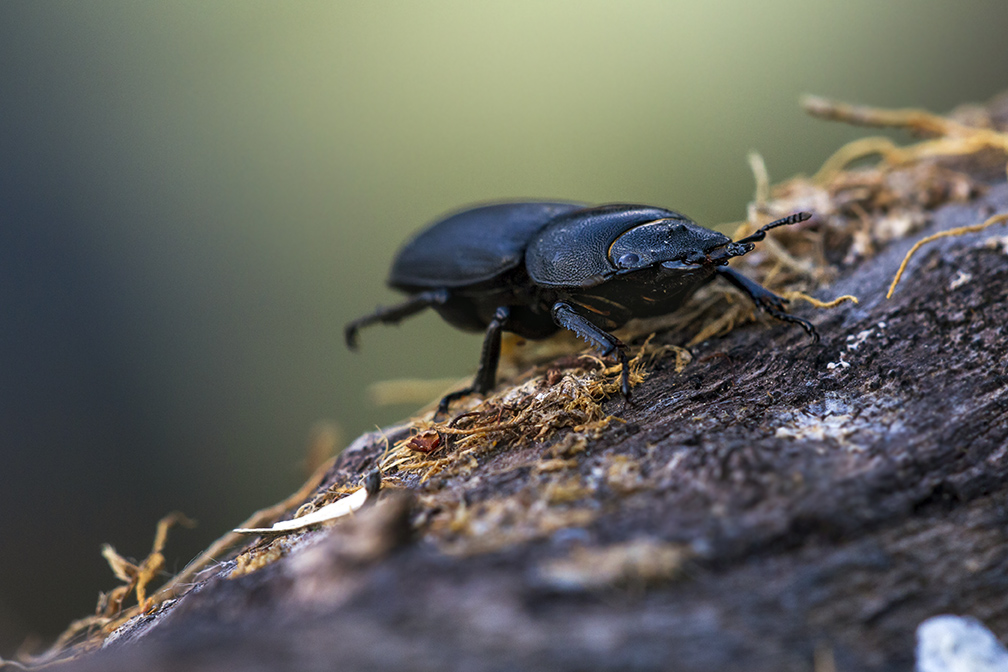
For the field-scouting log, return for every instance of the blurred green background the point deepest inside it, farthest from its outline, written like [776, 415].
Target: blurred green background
[196, 196]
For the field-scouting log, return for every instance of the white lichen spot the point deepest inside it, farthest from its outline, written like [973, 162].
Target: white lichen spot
[997, 243]
[853, 422]
[955, 643]
[962, 277]
[806, 427]
[854, 342]
[842, 364]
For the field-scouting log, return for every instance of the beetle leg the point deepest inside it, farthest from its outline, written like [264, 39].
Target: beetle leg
[766, 299]
[568, 318]
[486, 375]
[394, 314]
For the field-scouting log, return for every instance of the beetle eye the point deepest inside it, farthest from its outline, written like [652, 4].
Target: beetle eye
[628, 260]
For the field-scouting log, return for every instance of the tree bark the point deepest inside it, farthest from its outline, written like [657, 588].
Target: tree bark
[776, 505]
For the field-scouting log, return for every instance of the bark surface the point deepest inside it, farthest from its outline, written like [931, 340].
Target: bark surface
[773, 505]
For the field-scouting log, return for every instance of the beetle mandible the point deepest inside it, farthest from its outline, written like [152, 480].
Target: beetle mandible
[533, 268]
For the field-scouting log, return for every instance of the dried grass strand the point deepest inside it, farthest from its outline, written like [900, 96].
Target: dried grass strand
[958, 231]
[820, 304]
[953, 138]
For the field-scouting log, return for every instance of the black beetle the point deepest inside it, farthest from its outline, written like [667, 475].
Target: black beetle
[533, 268]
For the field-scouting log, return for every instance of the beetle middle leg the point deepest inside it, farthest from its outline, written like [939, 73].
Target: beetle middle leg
[394, 314]
[486, 375]
[766, 299]
[568, 318]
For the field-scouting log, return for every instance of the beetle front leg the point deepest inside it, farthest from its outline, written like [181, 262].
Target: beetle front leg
[486, 375]
[568, 318]
[395, 314]
[766, 299]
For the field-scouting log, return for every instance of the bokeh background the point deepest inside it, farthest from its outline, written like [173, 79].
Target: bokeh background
[196, 196]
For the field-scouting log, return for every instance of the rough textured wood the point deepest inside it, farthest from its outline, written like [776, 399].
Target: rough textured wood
[774, 504]
[827, 509]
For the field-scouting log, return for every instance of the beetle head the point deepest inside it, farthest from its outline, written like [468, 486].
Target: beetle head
[682, 244]
[671, 242]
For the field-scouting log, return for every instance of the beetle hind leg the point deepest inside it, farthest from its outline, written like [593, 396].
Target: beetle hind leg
[568, 318]
[394, 314]
[486, 375]
[766, 300]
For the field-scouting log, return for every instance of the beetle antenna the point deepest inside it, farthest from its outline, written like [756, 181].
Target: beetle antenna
[784, 221]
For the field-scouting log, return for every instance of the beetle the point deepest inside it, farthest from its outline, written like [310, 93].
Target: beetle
[533, 268]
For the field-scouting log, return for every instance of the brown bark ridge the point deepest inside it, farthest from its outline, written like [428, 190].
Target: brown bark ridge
[771, 505]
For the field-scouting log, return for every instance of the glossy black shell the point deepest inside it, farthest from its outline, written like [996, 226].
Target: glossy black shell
[574, 250]
[473, 245]
[532, 268]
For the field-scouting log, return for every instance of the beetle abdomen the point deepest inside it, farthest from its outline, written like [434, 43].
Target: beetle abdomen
[472, 246]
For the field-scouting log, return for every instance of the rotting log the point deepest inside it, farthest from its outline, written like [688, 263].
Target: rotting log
[769, 505]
